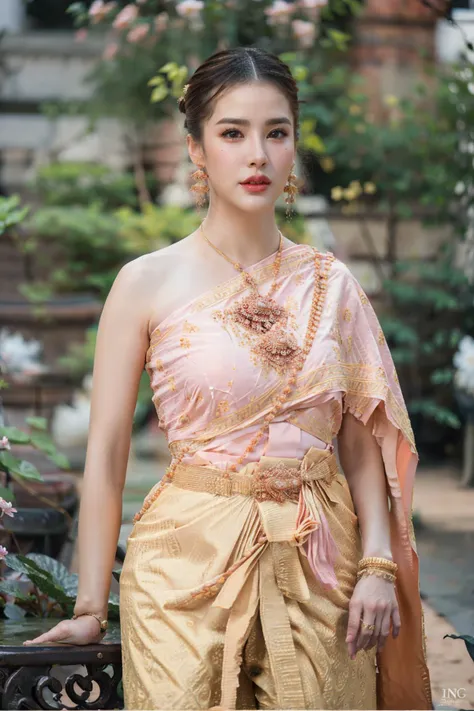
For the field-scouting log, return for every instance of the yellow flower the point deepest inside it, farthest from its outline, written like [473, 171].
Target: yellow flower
[350, 194]
[327, 164]
[337, 193]
[355, 187]
[355, 110]
[370, 188]
[391, 100]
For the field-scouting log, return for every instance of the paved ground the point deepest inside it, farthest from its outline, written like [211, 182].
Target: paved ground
[445, 541]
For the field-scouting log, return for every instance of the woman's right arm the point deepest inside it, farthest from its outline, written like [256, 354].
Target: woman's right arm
[122, 342]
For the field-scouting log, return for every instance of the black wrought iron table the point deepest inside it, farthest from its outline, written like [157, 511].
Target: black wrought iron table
[58, 676]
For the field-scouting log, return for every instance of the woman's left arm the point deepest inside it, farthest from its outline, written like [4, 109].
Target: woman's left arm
[373, 600]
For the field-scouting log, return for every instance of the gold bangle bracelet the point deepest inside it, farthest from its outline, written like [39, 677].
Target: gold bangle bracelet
[378, 562]
[379, 573]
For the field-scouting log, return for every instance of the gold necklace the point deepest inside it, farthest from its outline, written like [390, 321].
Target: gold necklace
[263, 317]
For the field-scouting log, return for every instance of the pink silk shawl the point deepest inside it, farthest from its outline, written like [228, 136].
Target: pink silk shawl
[211, 392]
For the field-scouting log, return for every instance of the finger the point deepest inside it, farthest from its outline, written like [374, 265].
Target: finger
[355, 610]
[58, 633]
[373, 640]
[385, 630]
[396, 622]
[365, 634]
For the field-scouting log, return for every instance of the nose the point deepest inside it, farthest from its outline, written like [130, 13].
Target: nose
[258, 157]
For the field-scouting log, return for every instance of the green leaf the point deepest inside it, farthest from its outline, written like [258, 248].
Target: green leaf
[7, 494]
[27, 470]
[38, 423]
[9, 462]
[19, 467]
[59, 573]
[43, 442]
[156, 81]
[60, 460]
[41, 578]
[15, 435]
[159, 94]
[11, 587]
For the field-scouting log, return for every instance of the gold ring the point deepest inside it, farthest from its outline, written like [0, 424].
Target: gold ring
[367, 627]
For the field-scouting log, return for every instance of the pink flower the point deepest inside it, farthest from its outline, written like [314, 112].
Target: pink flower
[81, 35]
[110, 51]
[189, 8]
[6, 508]
[99, 10]
[125, 17]
[279, 13]
[137, 33]
[313, 7]
[3, 553]
[161, 22]
[4, 443]
[304, 32]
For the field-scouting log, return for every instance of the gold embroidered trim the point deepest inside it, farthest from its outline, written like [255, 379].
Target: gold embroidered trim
[279, 483]
[261, 274]
[359, 383]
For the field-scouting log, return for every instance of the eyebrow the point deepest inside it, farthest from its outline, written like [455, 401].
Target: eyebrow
[245, 122]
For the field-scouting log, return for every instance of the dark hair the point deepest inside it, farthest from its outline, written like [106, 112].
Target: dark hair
[228, 68]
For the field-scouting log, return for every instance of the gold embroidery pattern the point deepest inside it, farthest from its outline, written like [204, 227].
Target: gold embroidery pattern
[190, 327]
[185, 342]
[279, 483]
[347, 315]
[353, 379]
[291, 263]
[381, 338]
[223, 407]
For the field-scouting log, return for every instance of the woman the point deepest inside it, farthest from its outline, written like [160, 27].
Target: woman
[256, 574]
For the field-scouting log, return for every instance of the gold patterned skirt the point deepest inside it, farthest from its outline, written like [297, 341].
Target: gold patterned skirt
[219, 604]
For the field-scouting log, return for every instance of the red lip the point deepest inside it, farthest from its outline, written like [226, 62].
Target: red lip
[257, 180]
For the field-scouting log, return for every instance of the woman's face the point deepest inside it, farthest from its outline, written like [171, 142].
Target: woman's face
[250, 133]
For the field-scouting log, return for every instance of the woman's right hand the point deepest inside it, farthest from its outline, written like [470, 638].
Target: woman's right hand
[83, 630]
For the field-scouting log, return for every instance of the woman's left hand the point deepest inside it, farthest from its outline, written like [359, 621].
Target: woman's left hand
[374, 602]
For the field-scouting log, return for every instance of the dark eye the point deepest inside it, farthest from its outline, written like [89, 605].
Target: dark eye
[281, 131]
[230, 133]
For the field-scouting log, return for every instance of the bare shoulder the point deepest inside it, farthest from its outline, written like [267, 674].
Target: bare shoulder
[141, 276]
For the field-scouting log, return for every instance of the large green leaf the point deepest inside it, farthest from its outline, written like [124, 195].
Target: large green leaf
[15, 436]
[28, 471]
[60, 574]
[43, 579]
[19, 467]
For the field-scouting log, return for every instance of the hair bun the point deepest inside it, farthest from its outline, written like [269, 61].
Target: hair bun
[182, 99]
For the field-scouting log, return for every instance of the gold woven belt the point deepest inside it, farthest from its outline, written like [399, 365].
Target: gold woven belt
[270, 479]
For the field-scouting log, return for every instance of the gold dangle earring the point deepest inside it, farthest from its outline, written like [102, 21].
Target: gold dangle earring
[200, 187]
[291, 189]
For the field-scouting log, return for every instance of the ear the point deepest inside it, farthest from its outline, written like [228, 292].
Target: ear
[195, 151]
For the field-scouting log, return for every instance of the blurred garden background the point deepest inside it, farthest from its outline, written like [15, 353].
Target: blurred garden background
[94, 172]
